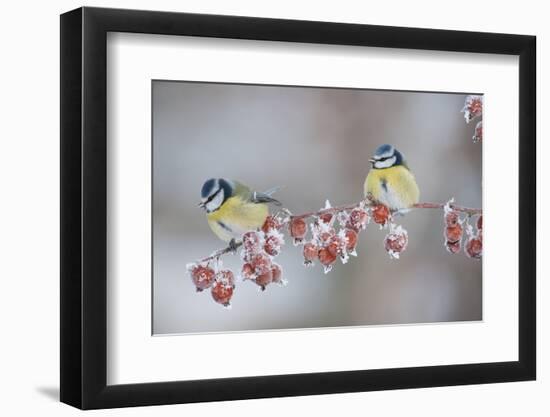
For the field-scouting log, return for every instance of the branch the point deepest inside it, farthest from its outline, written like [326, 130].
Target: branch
[216, 255]
[333, 210]
[456, 207]
[367, 202]
[370, 202]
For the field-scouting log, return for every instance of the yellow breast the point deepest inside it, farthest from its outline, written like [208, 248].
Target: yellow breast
[394, 187]
[236, 217]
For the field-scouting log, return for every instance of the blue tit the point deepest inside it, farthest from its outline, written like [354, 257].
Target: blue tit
[233, 209]
[390, 181]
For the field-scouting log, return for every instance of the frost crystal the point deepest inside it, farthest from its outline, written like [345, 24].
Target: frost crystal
[447, 207]
[342, 218]
[470, 230]
[190, 266]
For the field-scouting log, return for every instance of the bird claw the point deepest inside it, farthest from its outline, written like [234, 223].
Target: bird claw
[400, 212]
[233, 245]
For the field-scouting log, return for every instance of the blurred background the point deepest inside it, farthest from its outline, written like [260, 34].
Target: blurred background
[315, 143]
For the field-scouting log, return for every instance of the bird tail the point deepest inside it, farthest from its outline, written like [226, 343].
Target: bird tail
[265, 197]
[272, 191]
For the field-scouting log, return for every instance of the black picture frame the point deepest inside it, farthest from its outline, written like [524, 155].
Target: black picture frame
[84, 207]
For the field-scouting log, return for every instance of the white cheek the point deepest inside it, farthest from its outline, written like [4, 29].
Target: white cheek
[215, 203]
[385, 164]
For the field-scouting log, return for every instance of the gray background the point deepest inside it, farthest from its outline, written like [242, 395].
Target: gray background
[315, 142]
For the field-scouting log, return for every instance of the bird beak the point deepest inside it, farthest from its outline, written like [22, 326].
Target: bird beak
[201, 204]
[372, 161]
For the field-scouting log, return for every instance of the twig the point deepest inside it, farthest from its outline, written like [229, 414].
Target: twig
[332, 210]
[367, 202]
[220, 252]
[468, 210]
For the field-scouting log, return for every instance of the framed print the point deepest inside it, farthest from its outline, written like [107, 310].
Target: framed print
[256, 208]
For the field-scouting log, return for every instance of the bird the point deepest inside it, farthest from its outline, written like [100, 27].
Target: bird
[390, 181]
[232, 208]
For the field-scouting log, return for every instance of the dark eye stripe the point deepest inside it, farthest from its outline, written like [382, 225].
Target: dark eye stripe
[384, 159]
[209, 199]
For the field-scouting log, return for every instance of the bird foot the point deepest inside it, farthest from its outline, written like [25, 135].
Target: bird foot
[400, 212]
[233, 245]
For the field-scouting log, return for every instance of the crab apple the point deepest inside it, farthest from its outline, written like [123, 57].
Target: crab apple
[380, 214]
[261, 264]
[276, 273]
[226, 277]
[357, 220]
[336, 245]
[298, 229]
[326, 257]
[451, 218]
[326, 217]
[271, 223]
[202, 276]
[453, 247]
[474, 248]
[326, 235]
[351, 239]
[396, 242]
[480, 222]
[273, 244]
[453, 233]
[478, 133]
[222, 293]
[248, 271]
[264, 279]
[310, 253]
[252, 242]
[473, 107]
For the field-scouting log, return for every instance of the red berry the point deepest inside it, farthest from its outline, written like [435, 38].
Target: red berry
[264, 279]
[326, 235]
[474, 248]
[396, 242]
[358, 219]
[453, 247]
[451, 218]
[478, 133]
[326, 217]
[336, 245]
[222, 293]
[298, 229]
[380, 214]
[310, 253]
[225, 277]
[273, 244]
[271, 223]
[480, 222]
[351, 237]
[453, 233]
[276, 273]
[473, 107]
[326, 257]
[202, 276]
[261, 264]
[252, 242]
[248, 271]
